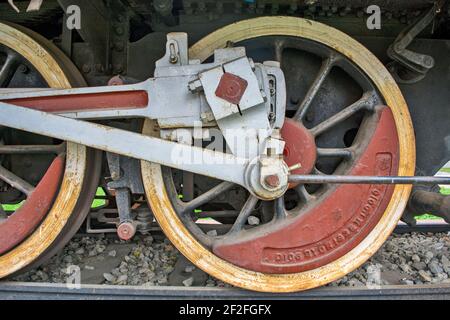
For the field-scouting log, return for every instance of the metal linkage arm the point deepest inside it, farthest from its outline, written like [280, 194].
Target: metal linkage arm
[197, 160]
[85, 103]
[325, 179]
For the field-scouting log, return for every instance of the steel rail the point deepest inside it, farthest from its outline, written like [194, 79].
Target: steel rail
[46, 291]
[428, 227]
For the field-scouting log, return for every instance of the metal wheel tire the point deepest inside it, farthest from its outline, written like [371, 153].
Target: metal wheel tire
[366, 61]
[81, 168]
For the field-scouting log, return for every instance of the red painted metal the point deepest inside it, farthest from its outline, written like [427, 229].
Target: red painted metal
[300, 147]
[231, 88]
[25, 220]
[126, 231]
[116, 81]
[330, 229]
[94, 101]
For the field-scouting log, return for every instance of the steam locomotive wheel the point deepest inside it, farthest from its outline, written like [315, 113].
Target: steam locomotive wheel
[43, 206]
[354, 121]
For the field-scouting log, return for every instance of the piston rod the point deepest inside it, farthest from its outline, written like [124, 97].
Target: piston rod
[329, 179]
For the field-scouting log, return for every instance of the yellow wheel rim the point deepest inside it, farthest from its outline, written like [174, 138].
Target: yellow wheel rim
[374, 69]
[35, 245]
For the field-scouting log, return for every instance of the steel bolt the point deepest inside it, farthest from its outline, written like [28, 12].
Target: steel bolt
[86, 68]
[119, 46]
[272, 181]
[195, 86]
[119, 31]
[118, 68]
[23, 68]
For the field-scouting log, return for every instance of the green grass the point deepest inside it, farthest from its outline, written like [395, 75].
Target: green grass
[445, 191]
[427, 217]
[447, 170]
[12, 207]
[99, 202]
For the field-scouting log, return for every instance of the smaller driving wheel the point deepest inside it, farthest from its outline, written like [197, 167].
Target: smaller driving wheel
[47, 186]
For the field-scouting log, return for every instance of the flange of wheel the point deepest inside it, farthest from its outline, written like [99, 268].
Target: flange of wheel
[337, 268]
[69, 194]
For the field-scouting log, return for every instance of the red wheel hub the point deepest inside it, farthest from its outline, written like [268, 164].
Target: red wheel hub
[25, 220]
[323, 232]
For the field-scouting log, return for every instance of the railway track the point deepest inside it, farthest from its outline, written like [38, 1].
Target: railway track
[425, 227]
[46, 291]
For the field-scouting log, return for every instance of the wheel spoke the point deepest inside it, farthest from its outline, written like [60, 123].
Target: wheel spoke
[188, 186]
[318, 172]
[334, 152]
[15, 181]
[3, 215]
[325, 69]
[303, 193]
[365, 103]
[279, 48]
[280, 211]
[246, 211]
[32, 149]
[8, 69]
[206, 197]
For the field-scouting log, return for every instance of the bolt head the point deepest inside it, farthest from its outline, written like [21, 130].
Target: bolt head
[195, 86]
[272, 181]
[23, 68]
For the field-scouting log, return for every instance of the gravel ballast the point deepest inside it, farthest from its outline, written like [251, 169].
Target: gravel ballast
[409, 259]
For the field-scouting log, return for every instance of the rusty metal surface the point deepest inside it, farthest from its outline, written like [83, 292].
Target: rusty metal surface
[25, 220]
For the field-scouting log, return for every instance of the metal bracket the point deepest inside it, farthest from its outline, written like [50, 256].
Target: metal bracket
[417, 63]
[106, 29]
[125, 180]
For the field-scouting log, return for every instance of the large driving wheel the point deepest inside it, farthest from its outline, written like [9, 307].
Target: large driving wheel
[47, 186]
[346, 116]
